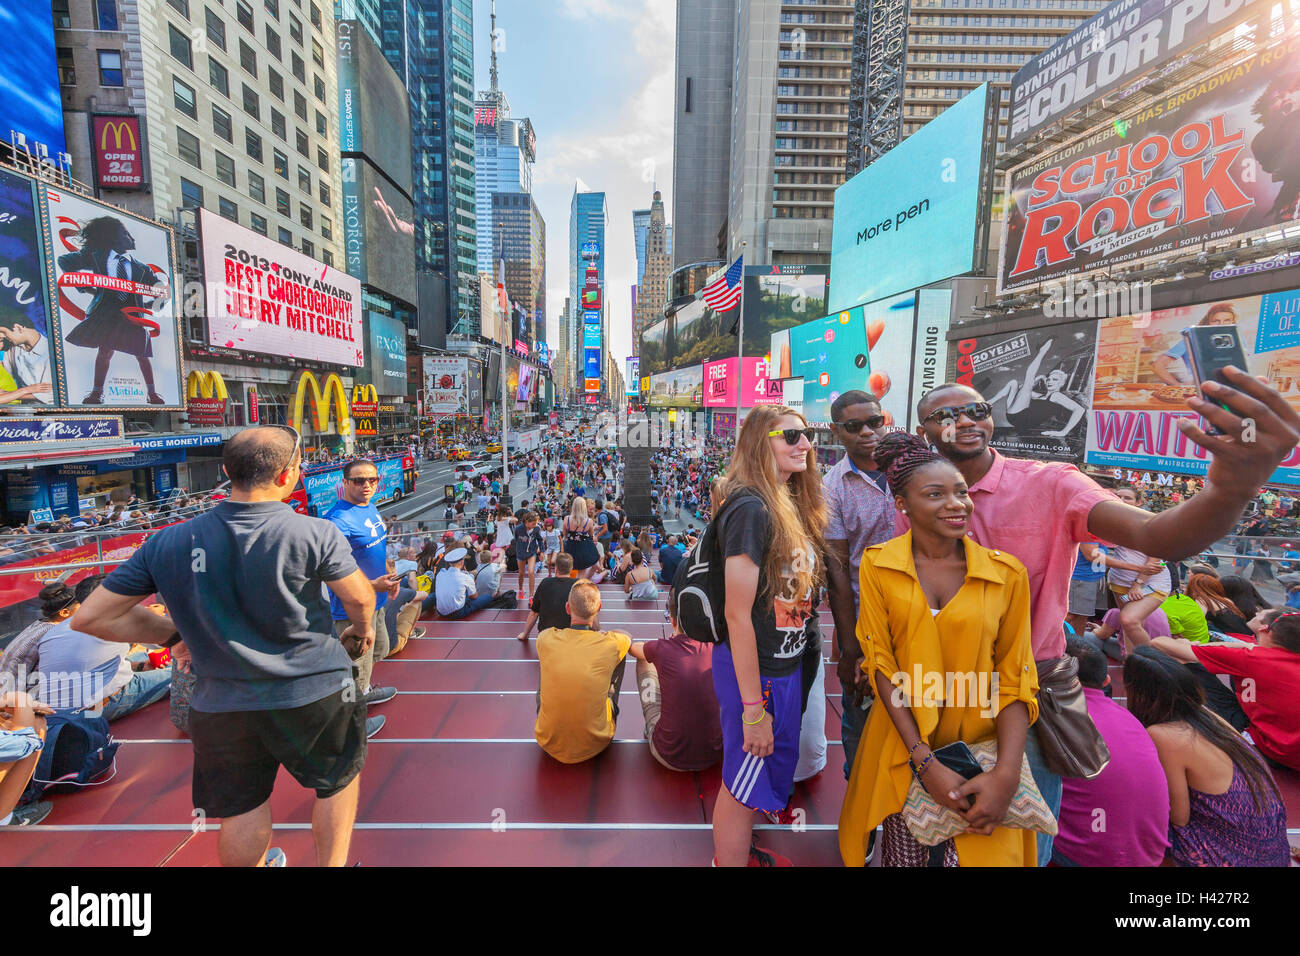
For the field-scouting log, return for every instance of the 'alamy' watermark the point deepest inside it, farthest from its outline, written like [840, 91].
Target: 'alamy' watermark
[1103, 299]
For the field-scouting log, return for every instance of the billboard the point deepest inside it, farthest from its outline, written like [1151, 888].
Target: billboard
[445, 386]
[912, 217]
[1210, 161]
[692, 335]
[1142, 379]
[591, 336]
[632, 375]
[29, 76]
[754, 386]
[527, 379]
[387, 365]
[591, 363]
[475, 387]
[1111, 51]
[265, 297]
[378, 230]
[776, 298]
[25, 368]
[117, 151]
[830, 354]
[374, 119]
[683, 388]
[1039, 383]
[116, 339]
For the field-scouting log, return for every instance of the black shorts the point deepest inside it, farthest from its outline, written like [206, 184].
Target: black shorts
[237, 754]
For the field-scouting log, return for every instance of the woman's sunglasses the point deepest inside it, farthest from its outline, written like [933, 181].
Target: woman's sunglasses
[854, 425]
[792, 435]
[975, 411]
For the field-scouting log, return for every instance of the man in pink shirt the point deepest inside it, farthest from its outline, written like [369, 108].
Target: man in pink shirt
[1040, 511]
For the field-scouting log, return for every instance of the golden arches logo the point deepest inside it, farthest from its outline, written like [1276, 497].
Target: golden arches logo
[122, 129]
[365, 395]
[321, 399]
[206, 385]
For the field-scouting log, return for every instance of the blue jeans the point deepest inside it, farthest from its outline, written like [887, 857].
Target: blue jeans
[145, 688]
[482, 601]
[852, 721]
[1049, 785]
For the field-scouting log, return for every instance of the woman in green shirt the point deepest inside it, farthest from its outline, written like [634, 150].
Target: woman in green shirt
[1186, 619]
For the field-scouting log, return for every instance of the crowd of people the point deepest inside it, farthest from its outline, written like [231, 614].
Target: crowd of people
[963, 586]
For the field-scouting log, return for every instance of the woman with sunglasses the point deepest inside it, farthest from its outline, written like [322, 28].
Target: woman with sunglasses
[770, 525]
[934, 604]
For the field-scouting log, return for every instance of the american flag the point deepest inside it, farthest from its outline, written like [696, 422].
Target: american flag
[722, 294]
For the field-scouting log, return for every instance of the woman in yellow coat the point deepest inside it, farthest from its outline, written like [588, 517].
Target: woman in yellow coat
[944, 626]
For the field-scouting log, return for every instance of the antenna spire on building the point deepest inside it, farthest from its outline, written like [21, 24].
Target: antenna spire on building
[494, 45]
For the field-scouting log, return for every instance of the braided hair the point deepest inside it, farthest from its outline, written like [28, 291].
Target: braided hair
[900, 455]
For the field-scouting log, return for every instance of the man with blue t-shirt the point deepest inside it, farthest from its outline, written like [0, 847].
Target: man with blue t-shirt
[360, 523]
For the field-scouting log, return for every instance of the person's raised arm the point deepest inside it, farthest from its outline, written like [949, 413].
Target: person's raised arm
[1258, 434]
[741, 578]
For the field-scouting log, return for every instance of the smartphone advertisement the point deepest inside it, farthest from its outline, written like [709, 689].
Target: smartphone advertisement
[1144, 375]
[830, 354]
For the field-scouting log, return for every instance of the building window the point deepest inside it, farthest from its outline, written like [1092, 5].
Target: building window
[244, 14]
[180, 6]
[253, 145]
[309, 248]
[318, 87]
[317, 54]
[299, 105]
[272, 42]
[324, 193]
[277, 123]
[187, 146]
[272, 7]
[281, 164]
[219, 77]
[315, 16]
[225, 168]
[257, 223]
[216, 28]
[322, 160]
[227, 209]
[106, 15]
[301, 142]
[304, 214]
[282, 203]
[191, 193]
[221, 124]
[62, 18]
[320, 123]
[110, 68]
[252, 105]
[327, 257]
[247, 58]
[183, 97]
[257, 188]
[304, 180]
[298, 67]
[286, 237]
[180, 46]
[67, 66]
[326, 228]
[295, 29]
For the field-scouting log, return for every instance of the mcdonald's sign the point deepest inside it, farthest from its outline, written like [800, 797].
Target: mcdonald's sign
[332, 395]
[365, 410]
[205, 398]
[118, 150]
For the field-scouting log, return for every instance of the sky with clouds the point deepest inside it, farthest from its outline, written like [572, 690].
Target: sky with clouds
[595, 77]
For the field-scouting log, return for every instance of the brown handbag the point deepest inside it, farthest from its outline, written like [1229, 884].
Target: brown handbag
[1070, 741]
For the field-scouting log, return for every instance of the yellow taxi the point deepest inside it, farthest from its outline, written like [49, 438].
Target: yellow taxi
[493, 448]
[458, 453]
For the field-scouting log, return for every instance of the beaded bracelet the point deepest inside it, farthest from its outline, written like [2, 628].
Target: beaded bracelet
[919, 772]
[912, 750]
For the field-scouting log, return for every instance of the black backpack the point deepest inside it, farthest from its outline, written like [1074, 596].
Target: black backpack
[78, 749]
[700, 583]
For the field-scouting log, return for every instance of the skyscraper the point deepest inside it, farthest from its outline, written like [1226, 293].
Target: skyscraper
[430, 43]
[588, 215]
[652, 290]
[519, 237]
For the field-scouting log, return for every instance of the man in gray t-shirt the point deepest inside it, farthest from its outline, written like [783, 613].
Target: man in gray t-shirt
[242, 587]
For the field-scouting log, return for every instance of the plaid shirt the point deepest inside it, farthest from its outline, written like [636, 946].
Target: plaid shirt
[859, 512]
[21, 656]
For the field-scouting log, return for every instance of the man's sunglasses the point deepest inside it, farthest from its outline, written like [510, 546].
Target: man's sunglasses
[364, 480]
[297, 443]
[975, 411]
[854, 425]
[792, 435]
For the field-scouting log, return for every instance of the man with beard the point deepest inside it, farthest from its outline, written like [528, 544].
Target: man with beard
[1040, 511]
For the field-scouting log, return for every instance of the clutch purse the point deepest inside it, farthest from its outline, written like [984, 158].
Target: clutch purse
[931, 823]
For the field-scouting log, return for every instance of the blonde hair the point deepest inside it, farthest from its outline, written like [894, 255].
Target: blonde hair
[578, 511]
[584, 600]
[795, 506]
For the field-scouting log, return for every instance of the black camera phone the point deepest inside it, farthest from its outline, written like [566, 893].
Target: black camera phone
[1210, 349]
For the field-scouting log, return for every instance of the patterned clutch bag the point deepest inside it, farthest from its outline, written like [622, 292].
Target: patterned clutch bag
[931, 823]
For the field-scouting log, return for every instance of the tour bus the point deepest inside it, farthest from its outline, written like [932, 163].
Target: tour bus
[321, 486]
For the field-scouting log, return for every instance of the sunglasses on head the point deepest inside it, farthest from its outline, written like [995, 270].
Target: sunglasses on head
[297, 443]
[854, 425]
[792, 435]
[975, 411]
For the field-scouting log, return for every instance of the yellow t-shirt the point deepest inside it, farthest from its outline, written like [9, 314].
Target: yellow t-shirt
[575, 716]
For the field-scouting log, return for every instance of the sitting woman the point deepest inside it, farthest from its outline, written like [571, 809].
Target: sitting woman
[1224, 808]
[1265, 679]
[22, 736]
[639, 582]
[1220, 612]
[933, 602]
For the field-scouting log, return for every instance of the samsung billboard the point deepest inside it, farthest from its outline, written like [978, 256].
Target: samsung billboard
[913, 216]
